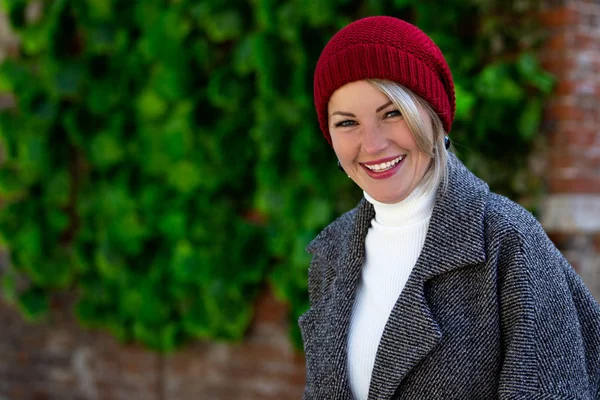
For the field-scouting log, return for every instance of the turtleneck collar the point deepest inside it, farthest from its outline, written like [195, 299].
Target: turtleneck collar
[416, 207]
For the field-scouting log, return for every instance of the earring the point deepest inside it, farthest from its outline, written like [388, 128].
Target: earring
[340, 166]
[446, 142]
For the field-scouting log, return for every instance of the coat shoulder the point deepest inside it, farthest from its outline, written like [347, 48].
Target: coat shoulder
[522, 245]
[507, 216]
[515, 229]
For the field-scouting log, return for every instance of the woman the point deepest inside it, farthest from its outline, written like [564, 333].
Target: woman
[432, 287]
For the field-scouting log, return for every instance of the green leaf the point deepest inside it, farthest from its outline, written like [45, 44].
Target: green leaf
[527, 65]
[57, 194]
[223, 26]
[68, 80]
[317, 212]
[99, 9]
[150, 105]
[58, 220]
[184, 177]
[243, 60]
[128, 233]
[173, 225]
[106, 150]
[529, 120]
[544, 82]
[224, 90]
[495, 83]
[465, 101]
[34, 304]
[110, 268]
[29, 241]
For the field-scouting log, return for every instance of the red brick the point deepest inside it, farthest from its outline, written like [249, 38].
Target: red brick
[583, 157]
[564, 112]
[575, 185]
[584, 41]
[557, 64]
[556, 43]
[580, 137]
[559, 17]
[565, 87]
[562, 159]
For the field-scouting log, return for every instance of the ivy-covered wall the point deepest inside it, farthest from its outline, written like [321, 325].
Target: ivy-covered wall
[163, 159]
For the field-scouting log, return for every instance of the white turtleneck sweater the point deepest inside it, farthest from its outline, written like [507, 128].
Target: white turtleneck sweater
[393, 244]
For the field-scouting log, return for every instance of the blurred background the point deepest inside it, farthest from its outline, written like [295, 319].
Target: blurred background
[162, 171]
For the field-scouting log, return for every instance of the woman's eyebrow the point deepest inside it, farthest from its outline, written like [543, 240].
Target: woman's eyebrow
[347, 114]
[383, 106]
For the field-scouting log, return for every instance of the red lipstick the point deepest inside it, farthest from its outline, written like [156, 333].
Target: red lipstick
[383, 174]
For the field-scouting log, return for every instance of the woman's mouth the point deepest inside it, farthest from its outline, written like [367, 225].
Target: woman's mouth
[384, 168]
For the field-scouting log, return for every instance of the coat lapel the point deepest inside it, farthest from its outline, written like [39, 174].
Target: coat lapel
[349, 266]
[454, 240]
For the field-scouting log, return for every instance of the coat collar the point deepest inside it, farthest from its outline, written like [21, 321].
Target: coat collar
[455, 239]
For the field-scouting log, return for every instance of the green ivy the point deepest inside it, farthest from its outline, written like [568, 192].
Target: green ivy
[163, 160]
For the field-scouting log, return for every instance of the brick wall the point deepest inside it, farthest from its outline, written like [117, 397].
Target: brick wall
[59, 360]
[571, 212]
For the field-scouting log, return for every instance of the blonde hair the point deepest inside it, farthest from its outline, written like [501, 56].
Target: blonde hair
[429, 136]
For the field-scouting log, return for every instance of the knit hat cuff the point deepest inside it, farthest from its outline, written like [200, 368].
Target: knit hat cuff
[351, 64]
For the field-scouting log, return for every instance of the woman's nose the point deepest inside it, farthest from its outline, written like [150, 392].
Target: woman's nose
[374, 141]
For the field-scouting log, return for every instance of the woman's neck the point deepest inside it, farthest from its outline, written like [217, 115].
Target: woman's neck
[414, 208]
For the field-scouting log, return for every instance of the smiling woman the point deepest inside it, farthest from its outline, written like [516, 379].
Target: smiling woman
[432, 287]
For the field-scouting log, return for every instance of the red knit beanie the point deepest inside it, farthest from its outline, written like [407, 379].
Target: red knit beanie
[384, 48]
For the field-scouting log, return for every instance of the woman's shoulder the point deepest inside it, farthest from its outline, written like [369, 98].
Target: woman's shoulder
[521, 246]
[504, 217]
[523, 249]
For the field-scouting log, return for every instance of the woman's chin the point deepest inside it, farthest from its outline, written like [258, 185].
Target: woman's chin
[387, 198]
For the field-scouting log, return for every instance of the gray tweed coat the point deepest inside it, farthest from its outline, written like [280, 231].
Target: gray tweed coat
[491, 309]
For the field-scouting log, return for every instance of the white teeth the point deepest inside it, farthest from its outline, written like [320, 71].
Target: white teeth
[384, 166]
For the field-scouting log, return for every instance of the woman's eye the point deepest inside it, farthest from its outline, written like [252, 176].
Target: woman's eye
[345, 123]
[393, 113]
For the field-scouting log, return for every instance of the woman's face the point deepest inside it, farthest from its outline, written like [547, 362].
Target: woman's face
[374, 144]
